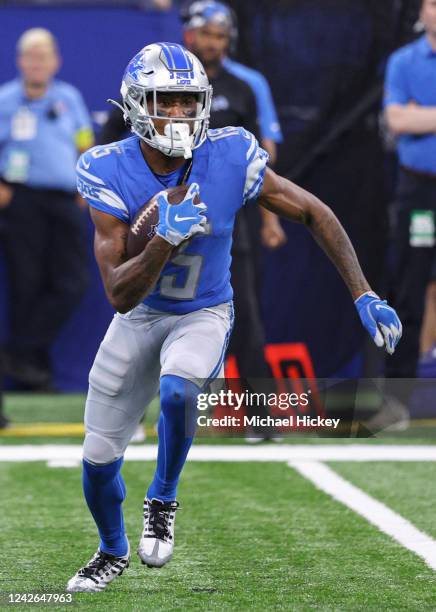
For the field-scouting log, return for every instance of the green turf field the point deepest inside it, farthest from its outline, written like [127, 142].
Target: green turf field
[249, 535]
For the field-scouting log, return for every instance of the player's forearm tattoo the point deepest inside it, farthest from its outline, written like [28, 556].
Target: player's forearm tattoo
[135, 278]
[332, 238]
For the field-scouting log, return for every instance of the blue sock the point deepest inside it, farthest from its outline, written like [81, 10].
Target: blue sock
[176, 427]
[105, 491]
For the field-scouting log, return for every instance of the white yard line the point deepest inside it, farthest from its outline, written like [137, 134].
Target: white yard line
[376, 513]
[270, 452]
[64, 463]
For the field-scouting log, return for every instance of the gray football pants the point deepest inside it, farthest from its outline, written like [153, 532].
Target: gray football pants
[139, 348]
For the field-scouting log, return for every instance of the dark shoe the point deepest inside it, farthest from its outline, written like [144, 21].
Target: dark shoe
[4, 422]
[26, 373]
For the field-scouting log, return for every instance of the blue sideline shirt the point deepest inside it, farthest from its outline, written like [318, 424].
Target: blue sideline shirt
[411, 76]
[38, 137]
[266, 112]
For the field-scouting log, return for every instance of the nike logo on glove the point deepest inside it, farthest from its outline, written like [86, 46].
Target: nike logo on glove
[177, 218]
[382, 306]
[380, 320]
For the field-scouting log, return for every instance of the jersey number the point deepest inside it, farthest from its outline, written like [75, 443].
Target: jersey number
[102, 152]
[193, 264]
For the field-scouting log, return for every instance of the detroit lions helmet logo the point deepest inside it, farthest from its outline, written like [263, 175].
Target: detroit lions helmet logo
[136, 66]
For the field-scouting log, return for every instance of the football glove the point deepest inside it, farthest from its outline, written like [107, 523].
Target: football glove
[177, 222]
[380, 320]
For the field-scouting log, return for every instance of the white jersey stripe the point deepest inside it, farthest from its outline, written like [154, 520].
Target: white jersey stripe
[89, 176]
[111, 199]
[254, 172]
[252, 146]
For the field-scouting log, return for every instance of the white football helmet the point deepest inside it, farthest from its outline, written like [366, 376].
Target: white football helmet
[169, 68]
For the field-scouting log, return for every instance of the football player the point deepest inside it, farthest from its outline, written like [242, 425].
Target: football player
[174, 299]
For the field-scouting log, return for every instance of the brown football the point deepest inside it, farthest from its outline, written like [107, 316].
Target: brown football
[143, 226]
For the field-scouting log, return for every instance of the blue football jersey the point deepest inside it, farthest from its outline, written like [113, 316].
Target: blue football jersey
[229, 168]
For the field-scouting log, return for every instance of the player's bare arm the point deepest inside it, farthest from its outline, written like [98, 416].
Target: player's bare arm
[294, 203]
[126, 282]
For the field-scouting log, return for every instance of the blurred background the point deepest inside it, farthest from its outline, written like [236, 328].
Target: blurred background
[324, 61]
